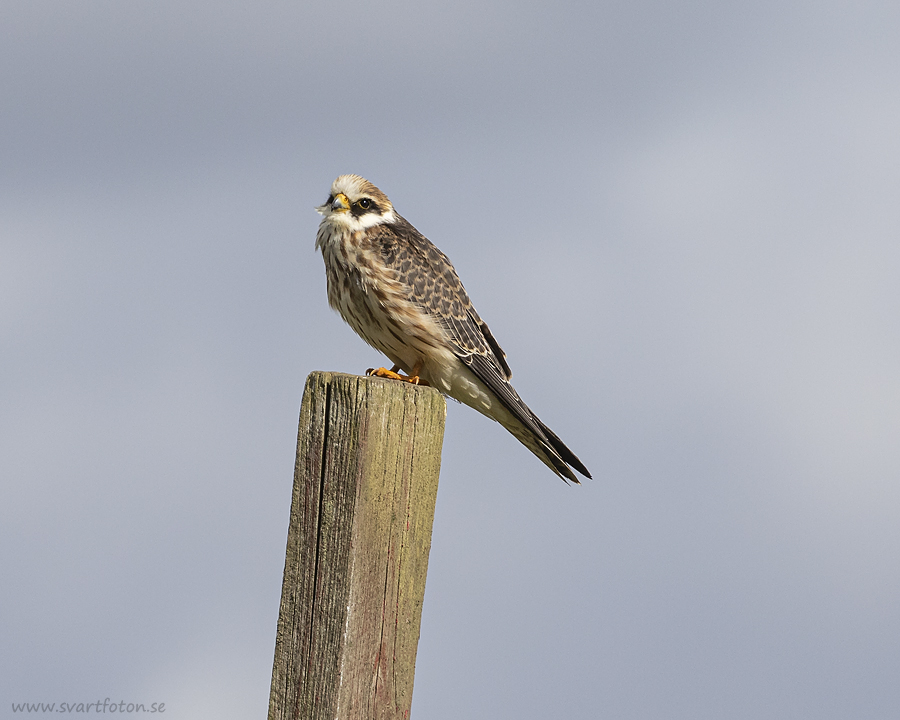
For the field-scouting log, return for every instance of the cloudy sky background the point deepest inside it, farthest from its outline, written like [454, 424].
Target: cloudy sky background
[682, 222]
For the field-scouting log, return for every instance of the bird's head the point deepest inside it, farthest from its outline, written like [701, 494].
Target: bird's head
[356, 204]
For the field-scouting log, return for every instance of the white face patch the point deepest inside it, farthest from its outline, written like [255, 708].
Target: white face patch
[364, 222]
[346, 221]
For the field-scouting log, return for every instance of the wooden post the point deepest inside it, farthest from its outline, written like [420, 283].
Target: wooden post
[365, 484]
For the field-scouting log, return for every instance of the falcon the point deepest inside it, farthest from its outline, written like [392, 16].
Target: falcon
[403, 297]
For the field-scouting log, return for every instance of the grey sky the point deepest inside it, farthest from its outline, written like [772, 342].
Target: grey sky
[681, 223]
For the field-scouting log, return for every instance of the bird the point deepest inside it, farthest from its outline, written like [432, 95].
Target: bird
[402, 295]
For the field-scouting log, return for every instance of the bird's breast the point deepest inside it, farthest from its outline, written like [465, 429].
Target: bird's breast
[371, 297]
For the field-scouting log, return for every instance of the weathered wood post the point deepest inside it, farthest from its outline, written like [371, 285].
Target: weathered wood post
[365, 484]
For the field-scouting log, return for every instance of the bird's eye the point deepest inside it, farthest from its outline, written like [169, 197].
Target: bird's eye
[365, 203]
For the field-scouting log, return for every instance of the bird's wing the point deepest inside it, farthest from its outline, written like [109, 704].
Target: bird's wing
[436, 288]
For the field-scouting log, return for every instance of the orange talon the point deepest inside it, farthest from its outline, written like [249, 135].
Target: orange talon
[392, 374]
[384, 373]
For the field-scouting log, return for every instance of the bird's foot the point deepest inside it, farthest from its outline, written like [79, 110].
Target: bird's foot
[384, 373]
[392, 374]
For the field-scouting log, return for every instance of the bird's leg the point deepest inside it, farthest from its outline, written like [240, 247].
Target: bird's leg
[414, 377]
[392, 374]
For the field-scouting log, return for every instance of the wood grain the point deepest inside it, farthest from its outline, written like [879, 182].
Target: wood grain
[365, 484]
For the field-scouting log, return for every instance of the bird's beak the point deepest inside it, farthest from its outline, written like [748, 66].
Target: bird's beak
[340, 203]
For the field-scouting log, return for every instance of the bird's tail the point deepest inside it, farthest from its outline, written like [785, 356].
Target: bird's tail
[552, 451]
